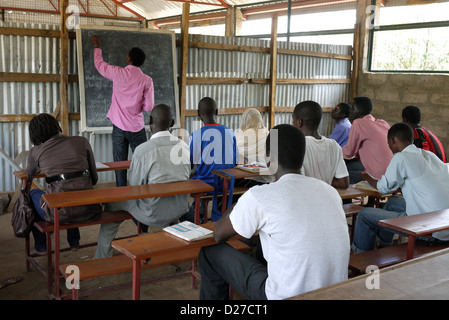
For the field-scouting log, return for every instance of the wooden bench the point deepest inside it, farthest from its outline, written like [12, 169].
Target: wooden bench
[48, 228]
[122, 264]
[84, 197]
[389, 256]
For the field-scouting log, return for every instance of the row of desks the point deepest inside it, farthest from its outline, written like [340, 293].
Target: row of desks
[144, 247]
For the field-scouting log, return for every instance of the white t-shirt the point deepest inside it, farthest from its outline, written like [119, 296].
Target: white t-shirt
[303, 232]
[324, 160]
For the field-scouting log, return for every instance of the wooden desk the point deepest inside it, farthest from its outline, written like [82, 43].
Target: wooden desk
[418, 225]
[111, 166]
[423, 278]
[93, 196]
[144, 247]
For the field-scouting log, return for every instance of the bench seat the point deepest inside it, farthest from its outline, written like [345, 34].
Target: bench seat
[121, 264]
[106, 217]
[388, 256]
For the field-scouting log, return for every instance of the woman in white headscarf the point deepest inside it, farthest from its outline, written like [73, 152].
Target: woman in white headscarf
[251, 139]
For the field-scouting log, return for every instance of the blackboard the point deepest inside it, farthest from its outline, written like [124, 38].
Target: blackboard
[96, 91]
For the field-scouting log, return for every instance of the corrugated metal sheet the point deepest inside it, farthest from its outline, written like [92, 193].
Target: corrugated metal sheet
[41, 55]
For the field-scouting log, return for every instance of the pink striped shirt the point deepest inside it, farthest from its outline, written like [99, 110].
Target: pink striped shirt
[132, 93]
[368, 139]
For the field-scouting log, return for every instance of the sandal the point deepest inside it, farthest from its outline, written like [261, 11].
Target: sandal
[10, 281]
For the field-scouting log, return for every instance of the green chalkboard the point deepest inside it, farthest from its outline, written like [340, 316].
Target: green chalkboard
[96, 91]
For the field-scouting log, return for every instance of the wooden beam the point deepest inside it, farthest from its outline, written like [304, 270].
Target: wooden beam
[273, 70]
[230, 22]
[28, 116]
[227, 111]
[184, 56]
[355, 61]
[34, 77]
[64, 69]
[300, 81]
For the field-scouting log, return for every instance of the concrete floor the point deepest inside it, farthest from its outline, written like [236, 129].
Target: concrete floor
[34, 286]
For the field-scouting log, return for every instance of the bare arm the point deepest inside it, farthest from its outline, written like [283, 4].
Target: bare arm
[340, 183]
[367, 177]
[223, 228]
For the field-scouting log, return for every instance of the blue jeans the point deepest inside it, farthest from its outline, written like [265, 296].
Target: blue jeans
[221, 266]
[40, 244]
[367, 232]
[121, 141]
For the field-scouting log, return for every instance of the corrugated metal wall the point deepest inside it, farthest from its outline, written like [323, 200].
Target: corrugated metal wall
[41, 55]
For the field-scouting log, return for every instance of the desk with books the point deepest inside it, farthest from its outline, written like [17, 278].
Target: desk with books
[143, 248]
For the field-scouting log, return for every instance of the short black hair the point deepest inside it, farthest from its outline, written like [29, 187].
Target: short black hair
[344, 108]
[42, 127]
[137, 56]
[310, 112]
[291, 146]
[412, 114]
[207, 106]
[364, 105]
[402, 131]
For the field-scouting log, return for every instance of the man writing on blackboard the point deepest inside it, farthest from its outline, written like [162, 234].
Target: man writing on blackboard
[132, 93]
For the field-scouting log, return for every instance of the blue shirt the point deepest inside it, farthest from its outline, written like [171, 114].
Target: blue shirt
[212, 147]
[341, 132]
[423, 179]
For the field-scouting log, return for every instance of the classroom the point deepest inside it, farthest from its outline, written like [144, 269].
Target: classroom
[241, 58]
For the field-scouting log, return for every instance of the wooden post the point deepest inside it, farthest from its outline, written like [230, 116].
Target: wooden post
[355, 61]
[184, 52]
[273, 69]
[230, 22]
[64, 69]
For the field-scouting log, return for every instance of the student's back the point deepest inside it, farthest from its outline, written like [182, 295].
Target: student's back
[212, 147]
[324, 159]
[288, 213]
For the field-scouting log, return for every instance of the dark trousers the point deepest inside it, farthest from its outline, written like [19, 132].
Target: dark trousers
[121, 141]
[355, 168]
[40, 244]
[221, 266]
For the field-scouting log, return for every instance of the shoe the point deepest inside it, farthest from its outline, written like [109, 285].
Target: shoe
[34, 252]
[74, 249]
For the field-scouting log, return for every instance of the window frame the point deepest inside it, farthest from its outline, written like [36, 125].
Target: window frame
[403, 26]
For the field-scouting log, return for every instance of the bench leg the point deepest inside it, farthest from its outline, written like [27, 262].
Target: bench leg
[410, 247]
[136, 279]
[49, 264]
[74, 293]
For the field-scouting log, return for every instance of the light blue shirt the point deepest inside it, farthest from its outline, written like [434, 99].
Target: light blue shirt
[423, 179]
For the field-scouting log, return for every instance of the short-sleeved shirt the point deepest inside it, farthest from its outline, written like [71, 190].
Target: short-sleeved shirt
[132, 93]
[163, 158]
[368, 140]
[303, 233]
[341, 132]
[212, 147]
[423, 179]
[324, 160]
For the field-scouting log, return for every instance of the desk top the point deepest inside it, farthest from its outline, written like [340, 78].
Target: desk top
[423, 278]
[237, 173]
[118, 165]
[103, 195]
[352, 192]
[154, 244]
[419, 224]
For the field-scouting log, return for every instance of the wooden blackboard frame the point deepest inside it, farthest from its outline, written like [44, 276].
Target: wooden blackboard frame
[83, 121]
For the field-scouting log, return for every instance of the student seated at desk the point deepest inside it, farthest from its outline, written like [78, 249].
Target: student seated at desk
[422, 137]
[341, 129]
[424, 181]
[323, 159]
[212, 147]
[163, 158]
[289, 215]
[251, 144]
[69, 164]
